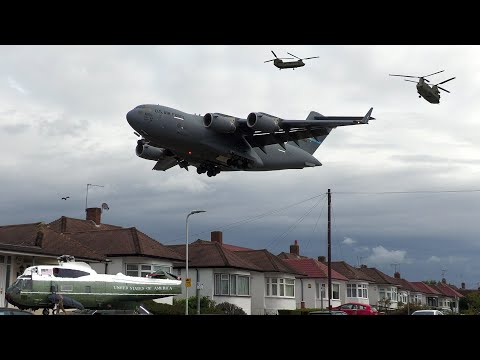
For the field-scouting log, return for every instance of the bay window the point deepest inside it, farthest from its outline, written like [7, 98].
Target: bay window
[280, 287]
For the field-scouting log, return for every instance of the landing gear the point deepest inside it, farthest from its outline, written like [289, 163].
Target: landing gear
[210, 169]
[45, 311]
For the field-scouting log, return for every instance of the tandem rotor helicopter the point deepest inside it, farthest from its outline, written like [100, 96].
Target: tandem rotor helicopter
[280, 64]
[428, 92]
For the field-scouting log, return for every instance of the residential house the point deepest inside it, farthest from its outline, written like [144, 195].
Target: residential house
[357, 287]
[383, 290]
[450, 297]
[254, 280]
[26, 245]
[312, 288]
[431, 295]
[127, 250]
[106, 248]
[407, 292]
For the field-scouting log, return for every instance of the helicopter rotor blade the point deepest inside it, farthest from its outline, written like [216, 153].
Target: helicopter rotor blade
[294, 56]
[274, 54]
[433, 73]
[269, 60]
[411, 81]
[410, 76]
[445, 81]
[315, 57]
[443, 89]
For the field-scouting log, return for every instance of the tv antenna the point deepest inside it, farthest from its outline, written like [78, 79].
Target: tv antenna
[395, 266]
[86, 197]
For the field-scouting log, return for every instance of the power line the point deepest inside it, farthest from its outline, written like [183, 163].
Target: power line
[404, 192]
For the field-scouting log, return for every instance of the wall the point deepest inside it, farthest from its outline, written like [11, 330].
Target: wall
[258, 293]
[207, 278]
[275, 303]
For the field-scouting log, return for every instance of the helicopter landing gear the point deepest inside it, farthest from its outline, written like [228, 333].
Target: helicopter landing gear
[45, 311]
[419, 96]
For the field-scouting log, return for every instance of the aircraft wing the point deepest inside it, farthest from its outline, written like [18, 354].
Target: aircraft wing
[165, 164]
[293, 130]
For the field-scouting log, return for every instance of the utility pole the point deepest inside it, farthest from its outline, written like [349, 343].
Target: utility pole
[329, 251]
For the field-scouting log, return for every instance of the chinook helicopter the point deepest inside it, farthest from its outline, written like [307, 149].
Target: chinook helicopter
[81, 287]
[428, 92]
[279, 63]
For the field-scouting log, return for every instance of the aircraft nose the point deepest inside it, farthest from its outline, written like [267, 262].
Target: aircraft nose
[131, 118]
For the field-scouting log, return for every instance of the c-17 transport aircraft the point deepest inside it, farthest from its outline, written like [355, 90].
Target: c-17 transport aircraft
[82, 287]
[217, 142]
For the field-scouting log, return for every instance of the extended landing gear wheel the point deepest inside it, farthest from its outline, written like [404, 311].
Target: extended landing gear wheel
[45, 312]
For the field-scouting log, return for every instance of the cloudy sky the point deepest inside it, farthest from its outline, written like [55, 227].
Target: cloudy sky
[403, 186]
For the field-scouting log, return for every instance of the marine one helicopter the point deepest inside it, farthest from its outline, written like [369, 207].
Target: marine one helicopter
[428, 92]
[279, 63]
[79, 286]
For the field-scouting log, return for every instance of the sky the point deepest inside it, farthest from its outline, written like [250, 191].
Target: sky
[405, 187]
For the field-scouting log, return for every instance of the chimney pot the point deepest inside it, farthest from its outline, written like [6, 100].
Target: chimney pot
[444, 281]
[322, 259]
[295, 249]
[396, 275]
[216, 236]
[363, 266]
[94, 214]
[463, 285]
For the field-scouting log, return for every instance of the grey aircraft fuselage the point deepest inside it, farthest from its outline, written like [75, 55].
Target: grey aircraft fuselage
[217, 142]
[429, 93]
[288, 64]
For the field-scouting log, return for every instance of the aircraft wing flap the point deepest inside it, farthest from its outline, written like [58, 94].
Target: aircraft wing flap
[264, 139]
[165, 164]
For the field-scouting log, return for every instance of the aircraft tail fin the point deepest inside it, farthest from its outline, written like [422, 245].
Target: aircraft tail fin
[310, 145]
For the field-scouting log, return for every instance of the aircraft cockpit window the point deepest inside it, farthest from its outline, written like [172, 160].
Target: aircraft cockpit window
[69, 273]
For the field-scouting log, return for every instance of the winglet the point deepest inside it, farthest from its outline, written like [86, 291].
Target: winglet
[367, 117]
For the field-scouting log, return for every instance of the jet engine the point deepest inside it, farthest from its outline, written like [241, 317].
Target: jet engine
[150, 152]
[263, 122]
[219, 122]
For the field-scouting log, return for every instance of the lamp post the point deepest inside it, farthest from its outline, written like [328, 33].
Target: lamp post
[186, 255]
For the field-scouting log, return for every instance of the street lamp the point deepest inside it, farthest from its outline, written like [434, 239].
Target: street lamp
[186, 255]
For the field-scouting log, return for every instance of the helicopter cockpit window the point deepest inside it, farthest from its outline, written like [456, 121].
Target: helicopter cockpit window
[69, 273]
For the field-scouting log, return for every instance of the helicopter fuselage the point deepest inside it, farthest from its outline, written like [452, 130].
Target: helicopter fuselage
[288, 64]
[431, 94]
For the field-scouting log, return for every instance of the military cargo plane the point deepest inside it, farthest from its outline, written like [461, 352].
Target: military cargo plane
[79, 286]
[217, 142]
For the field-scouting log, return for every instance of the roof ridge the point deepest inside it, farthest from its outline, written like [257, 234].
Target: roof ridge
[35, 223]
[222, 254]
[269, 256]
[136, 242]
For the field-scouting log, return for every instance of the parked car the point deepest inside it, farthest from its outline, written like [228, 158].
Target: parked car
[427, 312]
[353, 308]
[326, 312]
[13, 311]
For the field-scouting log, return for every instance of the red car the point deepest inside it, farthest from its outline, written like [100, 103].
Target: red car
[354, 308]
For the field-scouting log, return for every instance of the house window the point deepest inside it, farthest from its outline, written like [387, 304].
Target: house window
[357, 291]
[142, 270]
[280, 287]
[233, 285]
[389, 293]
[335, 291]
[320, 291]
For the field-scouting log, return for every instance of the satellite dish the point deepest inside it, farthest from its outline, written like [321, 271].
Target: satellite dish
[105, 206]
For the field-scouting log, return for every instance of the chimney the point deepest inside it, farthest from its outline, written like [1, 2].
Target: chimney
[295, 249]
[94, 214]
[463, 285]
[322, 259]
[396, 275]
[363, 266]
[39, 239]
[216, 236]
[444, 281]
